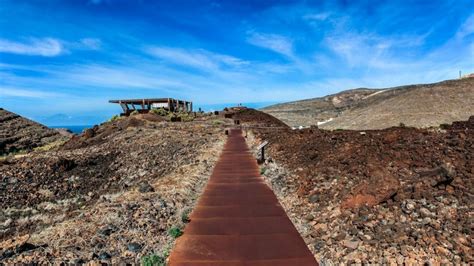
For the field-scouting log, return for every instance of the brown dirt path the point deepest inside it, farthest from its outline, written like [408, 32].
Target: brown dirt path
[238, 220]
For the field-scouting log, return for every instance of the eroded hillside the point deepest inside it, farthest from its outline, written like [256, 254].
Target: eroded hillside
[18, 134]
[422, 105]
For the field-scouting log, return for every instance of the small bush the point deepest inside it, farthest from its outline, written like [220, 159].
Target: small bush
[185, 216]
[153, 260]
[175, 232]
[217, 122]
[159, 111]
[186, 117]
[263, 170]
[166, 252]
[401, 124]
[444, 126]
[134, 112]
[114, 118]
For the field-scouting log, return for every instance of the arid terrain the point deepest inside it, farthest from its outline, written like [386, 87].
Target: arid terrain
[398, 195]
[422, 105]
[20, 135]
[121, 192]
[118, 193]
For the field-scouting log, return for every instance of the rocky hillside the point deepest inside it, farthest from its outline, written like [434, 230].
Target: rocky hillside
[119, 193]
[18, 134]
[421, 106]
[394, 196]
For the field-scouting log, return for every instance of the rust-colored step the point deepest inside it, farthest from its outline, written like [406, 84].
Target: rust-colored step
[238, 220]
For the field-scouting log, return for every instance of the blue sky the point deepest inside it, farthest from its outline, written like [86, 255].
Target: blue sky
[61, 61]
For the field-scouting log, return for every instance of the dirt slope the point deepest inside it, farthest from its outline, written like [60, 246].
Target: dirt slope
[110, 195]
[421, 106]
[311, 111]
[18, 134]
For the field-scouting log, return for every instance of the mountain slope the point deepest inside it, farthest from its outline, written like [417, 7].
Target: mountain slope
[421, 105]
[20, 134]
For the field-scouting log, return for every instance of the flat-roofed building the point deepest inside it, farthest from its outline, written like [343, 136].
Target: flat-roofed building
[145, 105]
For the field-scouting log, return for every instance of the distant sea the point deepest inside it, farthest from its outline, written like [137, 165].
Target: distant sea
[74, 129]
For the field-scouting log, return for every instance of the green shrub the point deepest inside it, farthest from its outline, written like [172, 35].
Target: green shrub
[185, 216]
[153, 260]
[401, 124]
[134, 112]
[114, 118]
[186, 117]
[166, 252]
[263, 170]
[159, 111]
[217, 122]
[175, 232]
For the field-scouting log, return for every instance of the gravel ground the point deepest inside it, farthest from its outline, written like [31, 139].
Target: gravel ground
[110, 195]
[400, 195]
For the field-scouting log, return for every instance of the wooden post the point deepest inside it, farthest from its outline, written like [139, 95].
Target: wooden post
[261, 147]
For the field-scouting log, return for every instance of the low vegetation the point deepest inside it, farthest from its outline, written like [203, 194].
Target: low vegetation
[185, 216]
[114, 118]
[153, 260]
[50, 146]
[159, 111]
[175, 232]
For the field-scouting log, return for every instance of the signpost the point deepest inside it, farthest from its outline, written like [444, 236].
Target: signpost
[261, 147]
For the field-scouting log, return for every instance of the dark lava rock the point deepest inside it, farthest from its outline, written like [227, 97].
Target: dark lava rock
[145, 187]
[313, 198]
[105, 256]
[319, 245]
[108, 230]
[134, 247]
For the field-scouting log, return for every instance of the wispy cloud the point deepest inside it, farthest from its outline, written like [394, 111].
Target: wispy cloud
[47, 47]
[26, 93]
[316, 16]
[467, 28]
[277, 43]
[196, 58]
[370, 49]
[116, 77]
[40, 47]
[91, 43]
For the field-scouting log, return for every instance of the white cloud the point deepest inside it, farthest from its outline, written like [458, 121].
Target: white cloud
[277, 43]
[16, 92]
[41, 47]
[197, 58]
[91, 43]
[115, 77]
[467, 28]
[317, 16]
[48, 47]
[370, 50]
